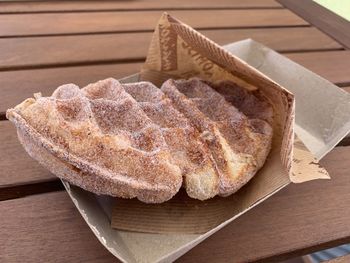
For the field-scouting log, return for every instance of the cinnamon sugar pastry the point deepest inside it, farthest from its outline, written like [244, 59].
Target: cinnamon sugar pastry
[188, 151]
[237, 146]
[135, 140]
[99, 139]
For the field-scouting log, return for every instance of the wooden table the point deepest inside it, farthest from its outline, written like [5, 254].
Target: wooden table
[47, 43]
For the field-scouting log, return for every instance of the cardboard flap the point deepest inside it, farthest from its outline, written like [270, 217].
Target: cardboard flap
[305, 166]
[322, 109]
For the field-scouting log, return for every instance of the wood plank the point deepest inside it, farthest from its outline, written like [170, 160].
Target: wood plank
[332, 65]
[19, 191]
[64, 6]
[289, 223]
[69, 50]
[17, 168]
[74, 23]
[281, 39]
[47, 228]
[300, 219]
[18, 85]
[324, 19]
[346, 89]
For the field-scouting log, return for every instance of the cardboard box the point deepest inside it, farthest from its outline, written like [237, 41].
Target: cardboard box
[319, 124]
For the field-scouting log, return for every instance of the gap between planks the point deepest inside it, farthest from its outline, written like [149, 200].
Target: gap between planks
[129, 21]
[40, 52]
[138, 10]
[312, 215]
[121, 61]
[148, 31]
[18, 191]
[92, 6]
[46, 80]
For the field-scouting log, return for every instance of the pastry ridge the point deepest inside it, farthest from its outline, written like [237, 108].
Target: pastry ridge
[188, 151]
[111, 145]
[238, 150]
[136, 140]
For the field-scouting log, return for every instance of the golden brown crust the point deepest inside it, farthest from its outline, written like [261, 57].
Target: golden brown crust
[253, 104]
[237, 149]
[188, 152]
[135, 140]
[256, 107]
[112, 142]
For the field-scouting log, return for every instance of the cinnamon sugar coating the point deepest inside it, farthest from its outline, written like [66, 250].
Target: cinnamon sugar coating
[187, 149]
[238, 150]
[101, 139]
[135, 140]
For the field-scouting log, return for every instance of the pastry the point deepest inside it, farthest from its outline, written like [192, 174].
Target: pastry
[98, 138]
[238, 147]
[136, 140]
[187, 149]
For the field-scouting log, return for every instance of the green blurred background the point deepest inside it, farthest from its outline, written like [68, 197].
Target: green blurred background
[340, 7]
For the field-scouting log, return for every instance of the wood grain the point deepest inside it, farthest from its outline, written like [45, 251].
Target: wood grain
[332, 65]
[46, 51]
[16, 86]
[17, 167]
[48, 227]
[64, 6]
[298, 220]
[20, 175]
[74, 23]
[322, 18]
